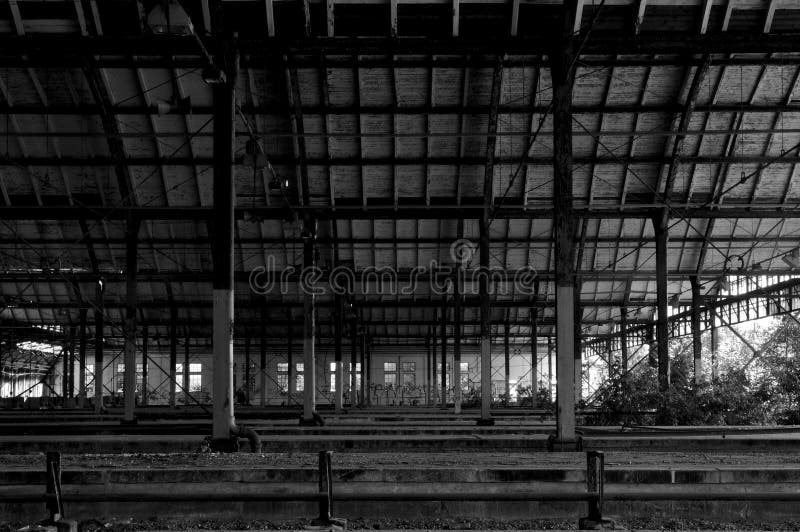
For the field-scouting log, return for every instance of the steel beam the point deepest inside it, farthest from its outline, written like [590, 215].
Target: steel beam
[145, 364]
[443, 342]
[98, 348]
[697, 334]
[338, 395]
[457, 340]
[662, 326]
[309, 329]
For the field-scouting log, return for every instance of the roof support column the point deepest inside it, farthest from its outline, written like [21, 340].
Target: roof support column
[338, 397]
[223, 226]
[429, 368]
[457, 340]
[82, 352]
[507, 359]
[354, 362]
[534, 354]
[291, 388]
[145, 383]
[131, 266]
[262, 362]
[186, 387]
[69, 366]
[486, 340]
[662, 325]
[98, 349]
[623, 338]
[577, 335]
[563, 74]
[697, 335]
[434, 349]
[173, 355]
[309, 329]
[366, 365]
[444, 350]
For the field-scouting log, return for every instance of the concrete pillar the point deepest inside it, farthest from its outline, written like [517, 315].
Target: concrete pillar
[486, 339]
[99, 325]
[364, 390]
[697, 335]
[662, 325]
[443, 342]
[145, 364]
[562, 68]
[82, 352]
[224, 100]
[131, 266]
[434, 351]
[457, 341]
[550, 368]
[714, 345]
[173, 355]
[309, 329]
[338, 394]
[353, 362]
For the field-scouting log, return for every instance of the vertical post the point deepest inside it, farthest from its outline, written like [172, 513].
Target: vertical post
[364, 371]
[224, 101]
[595, 471]
[354, 362]
[486, 342]
[550, 368]
[714, 345]
[662, 325]
[69, 390]
[173, 355]
[82, 353]
[697, 335]
[309, 328]
[186, 351]
[577, 335]
[534, 354]
[429, 368]
[562, 68]
[507, 357]
[434, 357]
[131, 266]
[623, 338]
[444, 350]
[290, 360]
[98, 349]
[325, 487]
[610, 353]
[457, 340]
[262, 361]
[338, 395]
[145, 383]
[367, 368]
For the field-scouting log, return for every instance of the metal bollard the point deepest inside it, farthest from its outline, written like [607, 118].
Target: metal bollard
[595, 480]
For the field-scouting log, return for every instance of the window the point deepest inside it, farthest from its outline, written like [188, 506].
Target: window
[300, 380]
[283, 377]
[89, 377]
[464, 375]
[333, 377]
[390, 373]
[439, 373]
[119, 385]
[195, 378]
[409, 375]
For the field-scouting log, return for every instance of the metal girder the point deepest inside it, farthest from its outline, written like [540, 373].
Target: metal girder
[61, 50]
[401, 212]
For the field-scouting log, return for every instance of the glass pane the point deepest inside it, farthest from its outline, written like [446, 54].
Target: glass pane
[120, 368]
[390, 366]
[409, 378]
[409, 366]
[390, 378]
[195, 383]
[464, 367]
[333, 367]
[300, 383]
[299, 367]
[283, 367]
[195, 368]
[333, 382]
[179, 367]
